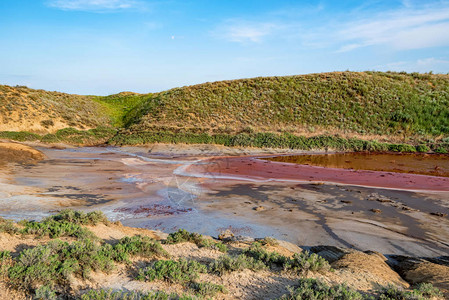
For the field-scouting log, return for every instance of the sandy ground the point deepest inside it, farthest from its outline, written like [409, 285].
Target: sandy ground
[149, 187]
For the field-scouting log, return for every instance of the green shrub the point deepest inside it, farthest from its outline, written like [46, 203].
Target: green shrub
[128, 295]
[54, 229]
[303, 262]
[226, 264]
[8, 226]
[207, 289]
[317, 290]
[401, 148]
[55, 262]
[421, 292]
[80, 217]
[6, 262]
[257, 252]
[181, 271]
[137, 246]
[45, 292]
[182, 236]
[422, 148]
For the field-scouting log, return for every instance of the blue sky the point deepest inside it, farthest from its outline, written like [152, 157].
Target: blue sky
[107, 46]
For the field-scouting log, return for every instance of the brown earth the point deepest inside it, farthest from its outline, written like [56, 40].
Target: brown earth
[18, 153]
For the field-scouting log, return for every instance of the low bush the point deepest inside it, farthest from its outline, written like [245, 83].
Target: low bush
[142, 246]
[421, 292]
[257, 252]
[304, 262]
[207, 289]
[8, 226]
[317, 290]
[55, 262]
[80, 217]
[226, 264]
[182, 236]
[130, 295]
[54, 229]
[180, 271]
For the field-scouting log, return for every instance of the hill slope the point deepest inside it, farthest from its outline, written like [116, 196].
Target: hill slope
[22, 108]
[364, 103]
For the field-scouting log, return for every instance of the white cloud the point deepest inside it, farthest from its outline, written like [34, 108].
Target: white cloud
[244, 32]
[403, 29]
[95, 5]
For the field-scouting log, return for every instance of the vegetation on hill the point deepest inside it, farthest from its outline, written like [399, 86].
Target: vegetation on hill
[22, 108]
[373, 103]
[339, 110]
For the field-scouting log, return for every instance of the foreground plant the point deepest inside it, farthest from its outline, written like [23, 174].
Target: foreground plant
[183, 236]
[313, 289]
[181, 271]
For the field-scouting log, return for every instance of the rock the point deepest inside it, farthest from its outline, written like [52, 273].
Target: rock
[330, 253]
[259, 208]
[375, 210]
[345, 201]
[379, 198]
[438, 214]
[419, 270]
[226, 235]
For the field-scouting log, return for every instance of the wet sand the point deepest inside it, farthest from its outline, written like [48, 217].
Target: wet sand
[171, 187]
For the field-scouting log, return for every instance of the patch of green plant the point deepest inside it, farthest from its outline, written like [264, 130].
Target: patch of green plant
[138, 245]
[8, 226]
[257, 252]
[259, 140]
[80, 217]
[304, 262]
[207, 289]
[182, 236]
[211, 244]
[54, 229]
[6, 262]
[53, 263]
[180, 271]
[130, 295]
[317, 290]
[227, 264]
[21, 136]
[422, 291]
[45, 292]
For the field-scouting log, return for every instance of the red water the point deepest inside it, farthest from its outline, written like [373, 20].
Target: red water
[424, 164]
[261, 169]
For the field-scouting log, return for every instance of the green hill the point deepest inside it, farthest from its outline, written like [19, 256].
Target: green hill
[368, 103]
[306, 111]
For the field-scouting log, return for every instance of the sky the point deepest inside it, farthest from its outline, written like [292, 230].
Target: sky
[104, 47]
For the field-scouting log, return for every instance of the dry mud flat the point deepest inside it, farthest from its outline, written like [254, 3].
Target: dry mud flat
[166, 187]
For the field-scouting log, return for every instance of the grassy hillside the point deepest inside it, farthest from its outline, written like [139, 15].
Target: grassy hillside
[22, 108]
[260, 112]
[369, 103]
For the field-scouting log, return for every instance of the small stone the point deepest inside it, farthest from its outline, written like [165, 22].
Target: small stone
[438, 214]
[375, 210]
[259, 208]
